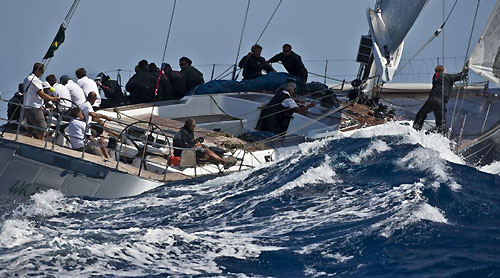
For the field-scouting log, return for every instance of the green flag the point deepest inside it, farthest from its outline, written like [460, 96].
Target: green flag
[58, 40]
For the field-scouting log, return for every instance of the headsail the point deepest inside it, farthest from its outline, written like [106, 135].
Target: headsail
[485, 59]
[389, 25]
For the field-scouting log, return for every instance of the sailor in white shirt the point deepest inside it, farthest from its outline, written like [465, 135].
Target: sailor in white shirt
[76, 130]
[88, 110]
[60, 91]
[76, 93]
[88, 85]
[33, 99]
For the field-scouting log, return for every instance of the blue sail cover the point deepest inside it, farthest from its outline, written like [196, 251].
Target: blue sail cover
[268, 82]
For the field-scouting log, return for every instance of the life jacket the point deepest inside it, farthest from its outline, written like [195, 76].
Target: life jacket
[275, 117]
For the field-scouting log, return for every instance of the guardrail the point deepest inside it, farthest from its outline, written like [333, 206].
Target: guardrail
[152, 136]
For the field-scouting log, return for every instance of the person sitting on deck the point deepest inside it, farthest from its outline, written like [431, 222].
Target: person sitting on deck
[191, 76]
[89, 114]
[442, 86]
[185, 139]
[253, 64]
[33, 100]
[88, 85]
[291, 61]
[76, 130]
[76, 93]
[141, 85]
[276, 115]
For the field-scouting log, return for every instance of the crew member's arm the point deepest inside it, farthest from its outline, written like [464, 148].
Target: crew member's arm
[46, 97]
[275, 58]
[99, 116]
[303, 109]
[267, 67]
[459, 76]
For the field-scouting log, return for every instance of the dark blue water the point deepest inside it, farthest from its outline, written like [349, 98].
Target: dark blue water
[381, 206]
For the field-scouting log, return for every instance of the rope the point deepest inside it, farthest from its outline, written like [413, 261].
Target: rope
[241, 40]
[465, 64]
[169, 29]
[435, 35]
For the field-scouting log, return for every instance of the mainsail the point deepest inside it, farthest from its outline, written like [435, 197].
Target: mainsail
[485, 59]
[389, 25]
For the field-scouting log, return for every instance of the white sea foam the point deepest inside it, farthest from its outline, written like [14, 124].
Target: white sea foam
[435, 142]
[377, 146]
[493, 168]
[321, 174]
[428, 212]
[15, 232]
[429, 160]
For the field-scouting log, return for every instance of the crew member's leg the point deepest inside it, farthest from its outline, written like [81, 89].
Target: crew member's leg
[440, 117]
[422, 114]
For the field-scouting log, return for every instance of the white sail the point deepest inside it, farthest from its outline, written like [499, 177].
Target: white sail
[389, 25]
[485, 59]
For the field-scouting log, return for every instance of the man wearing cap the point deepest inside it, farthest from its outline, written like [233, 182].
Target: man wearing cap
[276, 115]
[33, 100]
[88, 85]
[76, 93]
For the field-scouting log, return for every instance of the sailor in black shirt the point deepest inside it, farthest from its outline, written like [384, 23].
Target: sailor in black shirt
[277, 114]
[291, 61]
[253, 64]
[185, 139]
[442, 86]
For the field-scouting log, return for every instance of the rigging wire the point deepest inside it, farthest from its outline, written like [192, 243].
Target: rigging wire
[168, 33]
[241, 40]
[465, 64]
[435, 35]
[262, 33]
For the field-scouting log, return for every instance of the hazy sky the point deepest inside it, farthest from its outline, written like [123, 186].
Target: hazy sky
[106, 35]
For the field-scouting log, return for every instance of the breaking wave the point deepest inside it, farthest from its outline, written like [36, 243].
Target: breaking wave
[384, 202]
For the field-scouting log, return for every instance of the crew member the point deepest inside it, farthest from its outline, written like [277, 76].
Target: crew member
[111, 89]
[88, 85]
[185, 139]
[276, 115]
[33, 100]
[76, 93]
[142, 85]
[60, 91]
[76, 130]
[191, 76]
[291, 61]
[442, 86]
[176, 81]
[253, 64]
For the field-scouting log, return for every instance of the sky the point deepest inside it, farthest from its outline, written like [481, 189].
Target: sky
[106, 35]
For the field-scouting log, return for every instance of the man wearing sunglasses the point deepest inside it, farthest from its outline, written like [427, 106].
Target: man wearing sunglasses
[291, 61]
